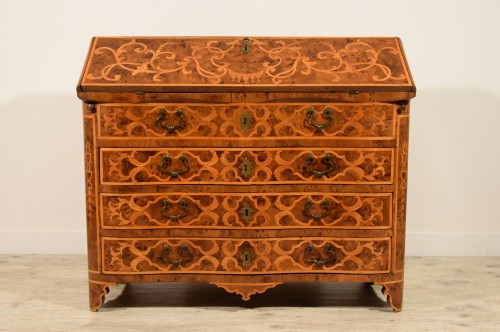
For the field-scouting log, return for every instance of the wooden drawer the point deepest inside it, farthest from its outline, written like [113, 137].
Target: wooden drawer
[245, 256]
[177, 122]
[267, 165]
[243, 211]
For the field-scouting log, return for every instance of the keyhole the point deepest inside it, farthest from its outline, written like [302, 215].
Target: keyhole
[246, 258]
[246, 168]
[246, 213]
[245, 121]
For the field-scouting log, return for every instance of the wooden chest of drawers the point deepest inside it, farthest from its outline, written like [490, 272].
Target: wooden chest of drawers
[246, 162]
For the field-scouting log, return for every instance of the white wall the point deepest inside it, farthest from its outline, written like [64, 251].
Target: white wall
[453, 48]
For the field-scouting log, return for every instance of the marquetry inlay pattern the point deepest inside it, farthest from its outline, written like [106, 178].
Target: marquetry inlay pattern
[145, 256]
[246, 162]
[268, 165]
[350, 121]
[213, 211]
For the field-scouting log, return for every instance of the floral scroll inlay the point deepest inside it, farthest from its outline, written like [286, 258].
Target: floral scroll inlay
[271, 61]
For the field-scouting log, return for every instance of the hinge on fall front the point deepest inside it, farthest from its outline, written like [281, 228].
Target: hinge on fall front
[91, 107]
[402, 106]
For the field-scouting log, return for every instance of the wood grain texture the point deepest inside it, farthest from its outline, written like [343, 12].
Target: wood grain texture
[232, 96]
[394, 292]
[441, 294]
[216, 63]
[247, 167]
[370, 121]
[245, 290]
[401, 189]
[97, 293]
[236, 211]
[91, 183]
[220, 166]
[245, 256]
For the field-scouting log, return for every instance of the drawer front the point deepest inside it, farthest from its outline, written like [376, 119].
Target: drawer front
[237, 211]
[222, 166]
[255, 121]
[245, 256]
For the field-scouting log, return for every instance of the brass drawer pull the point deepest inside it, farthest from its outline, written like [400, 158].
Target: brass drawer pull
[325, 205]
[183, 205]
[162, 115]
[167, 159]
[183, 251]
[328, 248]
[327, 159]
[327, 114]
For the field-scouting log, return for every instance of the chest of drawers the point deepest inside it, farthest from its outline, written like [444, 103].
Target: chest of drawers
[246, 162]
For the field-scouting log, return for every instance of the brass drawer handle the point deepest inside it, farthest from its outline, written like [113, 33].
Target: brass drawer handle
[328, 249]
[162, 115]
[325, 205]
[183, 251]
[167, 159]
[327, 114]
[327, 159]
[175, 217]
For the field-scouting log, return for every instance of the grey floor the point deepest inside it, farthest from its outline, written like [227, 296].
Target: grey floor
[49, 293]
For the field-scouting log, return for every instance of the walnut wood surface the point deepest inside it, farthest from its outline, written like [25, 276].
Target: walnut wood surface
[369, 121]
[146, 225]
[245, 290]
[342, 211]
[401, 189]
[97, 293]
[91, 191]
[394, 292]
[270, 256]
[220, 211]
[218, 63]
[220, 166]
[141, 96]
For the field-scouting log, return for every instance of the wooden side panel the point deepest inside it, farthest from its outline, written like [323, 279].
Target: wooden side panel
[91, 185]
[248, 211]
[173, 123]
[220, 166]
[401, 189]
[246, 256]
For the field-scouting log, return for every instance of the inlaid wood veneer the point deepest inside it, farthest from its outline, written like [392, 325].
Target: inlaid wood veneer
[246, 162]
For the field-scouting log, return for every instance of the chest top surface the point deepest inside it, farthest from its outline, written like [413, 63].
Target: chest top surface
[255, 64]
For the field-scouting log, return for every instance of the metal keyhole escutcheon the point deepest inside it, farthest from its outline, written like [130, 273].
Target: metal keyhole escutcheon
[246, 259]
[245, 120]
[246, 212]
[245, 48]
[246, 168]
